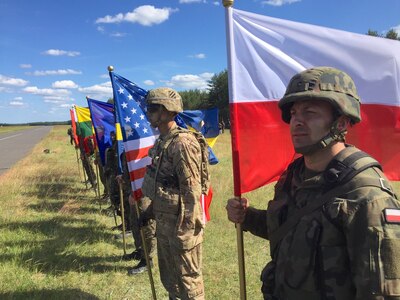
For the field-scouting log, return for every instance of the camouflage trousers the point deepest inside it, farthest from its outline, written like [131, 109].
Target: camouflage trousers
[180, 269]
[148, 232]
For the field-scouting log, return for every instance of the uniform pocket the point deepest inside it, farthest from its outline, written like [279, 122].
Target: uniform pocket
[166, 201]
[301, 257]
[384, 260]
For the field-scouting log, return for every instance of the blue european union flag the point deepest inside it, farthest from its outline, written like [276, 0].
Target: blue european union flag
[204, 121]
[103, 120]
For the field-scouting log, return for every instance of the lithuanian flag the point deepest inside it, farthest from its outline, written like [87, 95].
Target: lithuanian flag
[84, 125]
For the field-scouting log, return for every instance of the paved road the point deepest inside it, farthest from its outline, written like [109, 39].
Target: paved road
[16, 145]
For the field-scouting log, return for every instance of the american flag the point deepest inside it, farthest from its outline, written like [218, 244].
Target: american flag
[137, 134]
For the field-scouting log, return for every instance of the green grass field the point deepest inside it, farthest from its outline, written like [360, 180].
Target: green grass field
[6, 129]
[56, 244]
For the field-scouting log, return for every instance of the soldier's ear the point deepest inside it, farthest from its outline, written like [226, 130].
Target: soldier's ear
[343, 123]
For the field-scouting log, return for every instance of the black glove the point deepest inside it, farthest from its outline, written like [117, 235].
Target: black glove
[142, 220]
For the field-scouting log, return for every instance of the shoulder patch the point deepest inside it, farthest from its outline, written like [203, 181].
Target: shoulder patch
[392, 215]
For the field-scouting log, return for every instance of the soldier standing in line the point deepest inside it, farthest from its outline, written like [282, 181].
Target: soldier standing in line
[111, 171]
[86, 148]
[173, 183]
[102, 176]
[71, 135]
[333, 224]
[125, 181]
[148, 229]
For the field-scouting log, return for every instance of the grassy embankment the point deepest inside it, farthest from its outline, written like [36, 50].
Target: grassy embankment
[55, 243]
[6, 129]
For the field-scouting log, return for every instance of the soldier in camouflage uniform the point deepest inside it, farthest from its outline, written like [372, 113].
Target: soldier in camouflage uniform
[333, 224]
[111, 171]
[173, 183]
[148, 229]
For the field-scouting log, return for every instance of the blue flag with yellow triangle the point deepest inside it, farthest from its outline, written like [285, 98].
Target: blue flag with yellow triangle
[204, 121]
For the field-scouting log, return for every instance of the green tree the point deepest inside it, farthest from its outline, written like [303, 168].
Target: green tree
[373, 33]
[391, 34]
[219, 95]
[194, 99]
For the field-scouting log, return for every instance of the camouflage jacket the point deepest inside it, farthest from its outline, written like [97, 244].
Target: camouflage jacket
[173, 183]
[111, 161]
[346, 249]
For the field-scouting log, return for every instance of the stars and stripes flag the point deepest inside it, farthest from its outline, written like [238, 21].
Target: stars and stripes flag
[137, 134]
[264, 53]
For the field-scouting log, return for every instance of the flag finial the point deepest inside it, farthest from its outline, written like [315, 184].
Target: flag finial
[227, 3]
[110, 68]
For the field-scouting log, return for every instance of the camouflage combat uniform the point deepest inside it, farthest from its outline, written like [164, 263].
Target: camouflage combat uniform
[110, 172]
[101, 172]
[346, 249]
[173, 184]
[86, 148]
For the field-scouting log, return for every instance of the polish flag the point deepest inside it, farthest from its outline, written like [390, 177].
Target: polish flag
[263, 55]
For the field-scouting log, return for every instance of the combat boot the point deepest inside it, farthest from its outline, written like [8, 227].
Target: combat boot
[140, 267]
[136, 255]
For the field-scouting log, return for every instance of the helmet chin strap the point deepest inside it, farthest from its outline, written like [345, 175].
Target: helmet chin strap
[334, 135]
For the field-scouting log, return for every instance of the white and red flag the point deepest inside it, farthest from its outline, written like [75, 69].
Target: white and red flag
[264, 53]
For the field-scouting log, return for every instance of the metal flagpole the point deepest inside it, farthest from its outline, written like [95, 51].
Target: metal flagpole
[121, 198]
[146, 254]
[98, 183]
[84, 170]
[77, 161]
[239, 232]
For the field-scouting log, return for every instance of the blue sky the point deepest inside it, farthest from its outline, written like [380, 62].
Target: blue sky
[55, 53]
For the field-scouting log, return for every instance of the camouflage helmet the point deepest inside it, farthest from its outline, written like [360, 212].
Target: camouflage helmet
[323, 83]
[167, 97]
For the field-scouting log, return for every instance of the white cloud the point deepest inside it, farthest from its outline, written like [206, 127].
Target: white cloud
[279, 2]
[64, 84]
[25, 66]
[55, 72]
[146, 15]
[397, 29]
[16, 103]
[12, 81]
[148, 82]
[46, 92]
[191, 1]
[65, 105]
[199, 56]
[100, 90]
[216, 3]
[189, 81]
[57, 99]
[57, 52]
[118, 34]
[100, 28]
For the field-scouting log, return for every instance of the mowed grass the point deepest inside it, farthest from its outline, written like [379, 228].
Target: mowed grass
[56, 244]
